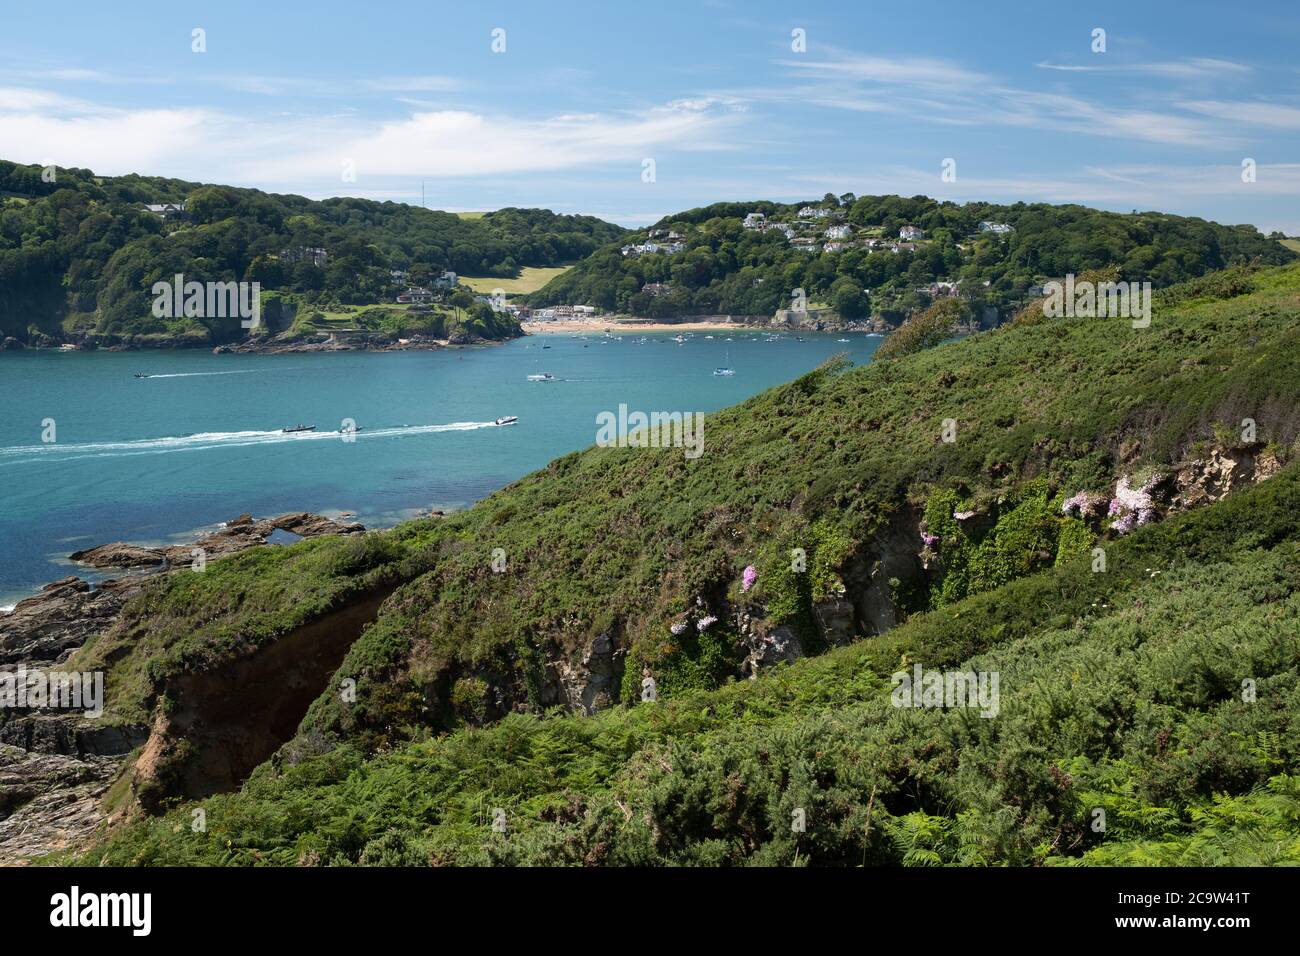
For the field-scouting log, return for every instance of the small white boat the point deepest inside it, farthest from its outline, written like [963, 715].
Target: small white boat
[298, 428]
[841, 340]
[542, 377]
[724, 371]
[679, 339]
[507, 419]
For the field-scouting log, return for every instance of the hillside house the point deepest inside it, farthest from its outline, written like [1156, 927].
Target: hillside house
[997, 228]
[911, 232]
[416, 296]
[842, 231]
[806, 244]
[755, 220]
[657, 288]
[167, 210]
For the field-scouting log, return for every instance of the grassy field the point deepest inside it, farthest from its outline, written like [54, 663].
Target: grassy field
[530, 280]
[471, 215]
[1292, 244]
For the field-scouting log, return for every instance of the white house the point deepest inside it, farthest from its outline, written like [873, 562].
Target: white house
[813, 212]
[839, 232]
[755, 220]
[911, 232]
[998, 228]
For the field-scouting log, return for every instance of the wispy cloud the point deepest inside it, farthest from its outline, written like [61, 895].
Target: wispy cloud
[306, 152]
[944, 92]
[1248, 112]
[1193, 68]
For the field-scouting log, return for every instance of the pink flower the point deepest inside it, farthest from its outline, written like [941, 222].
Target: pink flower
[748, 578]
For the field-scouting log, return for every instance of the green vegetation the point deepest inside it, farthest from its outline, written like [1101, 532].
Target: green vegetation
[726, 268]
[82, 253]
[842, 464]
[1120, 691]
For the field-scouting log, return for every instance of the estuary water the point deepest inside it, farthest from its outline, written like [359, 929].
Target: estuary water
[158, 460]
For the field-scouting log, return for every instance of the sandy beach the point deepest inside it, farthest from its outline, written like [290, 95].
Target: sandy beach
[587, 326]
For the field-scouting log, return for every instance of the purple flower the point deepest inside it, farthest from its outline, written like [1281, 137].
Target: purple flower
[748, 578]
[929, 540]
[679, 628]
[704, 623]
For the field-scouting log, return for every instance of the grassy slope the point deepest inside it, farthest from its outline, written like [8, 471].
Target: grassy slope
[530, 279]
[621, 539]
[1119, 690]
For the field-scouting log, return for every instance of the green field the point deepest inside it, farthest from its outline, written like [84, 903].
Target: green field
[530, 280]
[1292, 244]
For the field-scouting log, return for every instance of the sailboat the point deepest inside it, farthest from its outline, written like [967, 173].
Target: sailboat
[725, 369]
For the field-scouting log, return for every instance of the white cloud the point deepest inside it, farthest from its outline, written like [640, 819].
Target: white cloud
[1193, 68]
[306, 152]
[1249, 113]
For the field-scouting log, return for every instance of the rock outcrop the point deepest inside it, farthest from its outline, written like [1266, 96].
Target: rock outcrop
[235, 535]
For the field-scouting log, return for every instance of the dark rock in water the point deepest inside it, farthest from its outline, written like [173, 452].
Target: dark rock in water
[119, 554]
[10, 344]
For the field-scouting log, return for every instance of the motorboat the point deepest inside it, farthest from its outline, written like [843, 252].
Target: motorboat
[542, 377]
[141, 375]
[298, 428]
[507, 419]
[724, 371]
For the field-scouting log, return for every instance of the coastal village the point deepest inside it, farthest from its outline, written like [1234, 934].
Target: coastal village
[812, 229]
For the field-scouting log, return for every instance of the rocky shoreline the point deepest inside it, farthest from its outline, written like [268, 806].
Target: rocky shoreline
[55, 768]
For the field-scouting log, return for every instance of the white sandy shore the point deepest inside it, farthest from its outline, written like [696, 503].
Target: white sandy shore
[587, 326]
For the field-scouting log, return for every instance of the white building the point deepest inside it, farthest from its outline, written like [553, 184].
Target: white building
[998, 228]
[911, 232]
[755, 220]
[839, 232]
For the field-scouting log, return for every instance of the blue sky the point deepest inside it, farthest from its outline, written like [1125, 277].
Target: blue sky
[289, 97]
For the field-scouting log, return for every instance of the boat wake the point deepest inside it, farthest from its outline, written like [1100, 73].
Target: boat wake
[207, 440]
[241, 371]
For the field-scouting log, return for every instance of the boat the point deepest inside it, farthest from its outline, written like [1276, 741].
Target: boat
[546, 346]
[841, 340]
[679, 339]
[542, 377]
[141, 375]
[507, 419]
[724, 371]
[298, 428]
[349, 431]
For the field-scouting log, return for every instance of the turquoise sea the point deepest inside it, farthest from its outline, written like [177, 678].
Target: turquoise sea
[159, 459]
